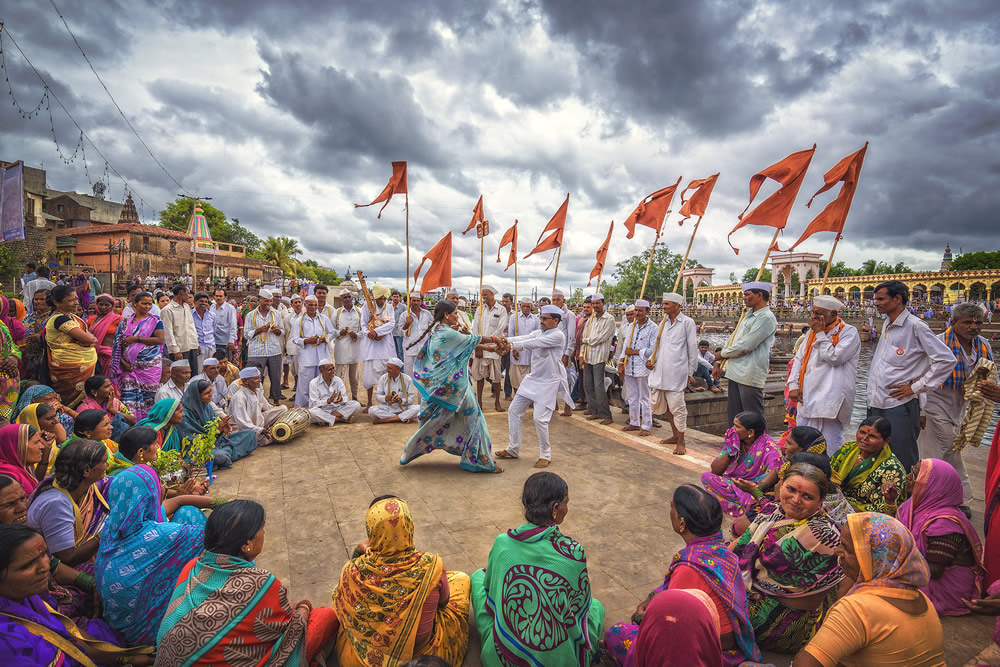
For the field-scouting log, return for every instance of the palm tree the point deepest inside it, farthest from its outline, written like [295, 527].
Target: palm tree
[281, 252]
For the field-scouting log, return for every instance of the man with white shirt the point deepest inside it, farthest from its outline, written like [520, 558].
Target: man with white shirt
[179, 334]
[909, 360]
[328, 402]
[347, 341]
[204, 324]
[212, 375]
[635, 349]
[490, 321]
[824, 372]
[399, 312]
[396, 396]
[521, 324]
[325, 308]
[464, 321]
[377, 346]
[180, 373]
[40, 282]
[567, 324]
[250, 411]
[540, 388]
[291, 365]
[625, 330]
[416, 330]
[312, 337]
[676, 359]
[263, 329]
[225, 322]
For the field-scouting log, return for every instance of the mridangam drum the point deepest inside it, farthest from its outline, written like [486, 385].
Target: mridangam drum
[292, 424]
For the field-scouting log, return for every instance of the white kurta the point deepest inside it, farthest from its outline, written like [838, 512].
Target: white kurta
[346, 351]
[524, 326]
[490, 322]
[383, 348]
[547, 378]
[250, 411]
[291, 324]
[311, 354]
[421, 322]
[676, 356]
[830, 377]
[407, 409]
[169, 390]
[319, 395]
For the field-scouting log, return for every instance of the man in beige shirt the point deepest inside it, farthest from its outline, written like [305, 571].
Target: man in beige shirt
[179, 335]
[490, 320]
[595, 347]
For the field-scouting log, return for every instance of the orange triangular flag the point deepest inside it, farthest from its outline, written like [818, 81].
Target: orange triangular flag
[773, 211]
[557, 225]
[602, 256]
[833, 217]
[697, 203]
[439, 275]
[651, 210]
[477, 216]
[395, 186]
[509, 236]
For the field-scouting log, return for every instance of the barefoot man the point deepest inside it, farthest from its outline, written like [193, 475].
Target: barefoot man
[676, 360]
[636, 346]
[490, 320]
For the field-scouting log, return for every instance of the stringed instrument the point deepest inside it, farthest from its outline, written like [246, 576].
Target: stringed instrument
[373, 321]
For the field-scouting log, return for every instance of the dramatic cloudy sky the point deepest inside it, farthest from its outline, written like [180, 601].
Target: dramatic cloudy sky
[286, 113]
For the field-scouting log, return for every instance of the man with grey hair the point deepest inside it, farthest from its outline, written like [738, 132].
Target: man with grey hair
[824, 372]
[942, 408]
[490, 321]
[567, 324]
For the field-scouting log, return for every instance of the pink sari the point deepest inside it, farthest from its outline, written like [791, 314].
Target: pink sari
[137, 386]
[100, 328]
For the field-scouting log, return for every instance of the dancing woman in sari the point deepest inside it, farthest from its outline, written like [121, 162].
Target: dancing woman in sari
[103, 325]
[450, 416]
[867, 471]
[748, 454]
[225, 610]
[72, 356]
[136, 360]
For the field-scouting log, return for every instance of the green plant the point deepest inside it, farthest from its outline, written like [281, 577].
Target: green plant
[168, 462]
[201, 448]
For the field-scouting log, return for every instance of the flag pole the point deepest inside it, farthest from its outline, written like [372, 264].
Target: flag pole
[829, 263]
[642, 290]
[760, 272]
[479, 310]
[677, 282]
[556, 274]
[516, 303]
[406, 207]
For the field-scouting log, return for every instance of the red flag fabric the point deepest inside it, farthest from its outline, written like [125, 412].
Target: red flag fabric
[602, 256]
[697, 203]
[439, 275]
[833, 217]
[509, 236]
[395, 186]
[651, 210]
[773, 211]
[477, 216]
[557, 225]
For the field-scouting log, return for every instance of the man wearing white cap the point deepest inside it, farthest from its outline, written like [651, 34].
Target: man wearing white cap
[636, 349]
[312, 336]
[396, 396]
[347, 341]
[521, 325]
[399, 312]
[179, 335]
[541, 386]
[291, 365]
[676, 360]
[210, 374]
[595, 344]
[328, 403]
[263, 329]
[416, 329]
[490, 320]
[463, 317]
[377, 345]
[622, 336]
[250, 411]
[180, 374]
[748, 355]
[567, 324]
[824, 372]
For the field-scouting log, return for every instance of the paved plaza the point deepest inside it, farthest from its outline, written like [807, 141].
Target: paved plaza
[317, 488]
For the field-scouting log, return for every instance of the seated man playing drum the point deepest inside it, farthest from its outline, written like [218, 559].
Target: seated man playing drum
[396, 396]
[250, 410]
[328, 402]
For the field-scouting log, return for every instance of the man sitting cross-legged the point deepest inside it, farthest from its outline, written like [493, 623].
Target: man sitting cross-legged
[250, 410]
[396, 396]
[327, 396]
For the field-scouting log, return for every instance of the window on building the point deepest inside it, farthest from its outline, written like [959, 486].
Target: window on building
[145, 244]
[173, 248]
[59, 207]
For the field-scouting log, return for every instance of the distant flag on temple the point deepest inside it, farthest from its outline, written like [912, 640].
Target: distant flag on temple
[602, 256]
[697, 203]
[509, 237]
[198, 227]
[773, 211]
[833, 217]
[478, 220]
[651, 210]
[439, 275]
[557, 225]
[395, 186]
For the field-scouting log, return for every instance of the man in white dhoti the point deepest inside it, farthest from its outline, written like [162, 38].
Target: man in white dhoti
[622, 336]
[312, 336]
[521, 325]
[328, 402]
[416, 329]
[636, 349]
[249, 409]
[567, 324]
[377, 345]
[676, 360]
[490, 321]
[540, 387]
[210, 374]
[263, 328]
[396, 396]
[180, 374]
[824, 372]
[295, 311]
[347, 341]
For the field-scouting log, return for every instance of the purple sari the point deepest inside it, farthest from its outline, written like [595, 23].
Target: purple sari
[137, 386]
[762, 457]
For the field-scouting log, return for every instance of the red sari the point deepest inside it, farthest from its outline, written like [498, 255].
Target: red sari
[101, 328]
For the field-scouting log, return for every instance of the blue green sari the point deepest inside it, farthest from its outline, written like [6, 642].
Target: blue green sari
[157, 419]
[450, 417]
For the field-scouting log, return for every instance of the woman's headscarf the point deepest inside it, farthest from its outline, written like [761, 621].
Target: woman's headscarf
[886, 553]
[157, 419]
[18, 311]
[30, 395]
[14, 325]
[680, 627]
[13, 446]
[196, 413]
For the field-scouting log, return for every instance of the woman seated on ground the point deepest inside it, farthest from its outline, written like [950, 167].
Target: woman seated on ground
[392, 591]
[95, 425]
[198, 413]
[562, 624]
[141, 554]
[40, 393]
[867, 471]
[944, 536]
[682, 630]
[45, 419]
[225, 610]
[101, 396]
[883, 619]
[705, 564]
[748, 454]
[789, 564]
[20, 453]
[164, 418]
[140, 446]
[36, 633]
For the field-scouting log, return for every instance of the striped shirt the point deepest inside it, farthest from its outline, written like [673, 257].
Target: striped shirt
[643, 339]
[268, 343]
[596, 338]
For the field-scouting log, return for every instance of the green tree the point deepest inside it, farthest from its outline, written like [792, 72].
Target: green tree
[751, 274]
[662, 274]
[280, 251]
[177, 214]
[838, 270]
[321, 274]
[872, 267]
[971, 261]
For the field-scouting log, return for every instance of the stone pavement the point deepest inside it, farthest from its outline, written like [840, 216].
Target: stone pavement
[317, 488]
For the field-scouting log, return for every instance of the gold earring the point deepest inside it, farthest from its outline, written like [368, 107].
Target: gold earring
[142, 457]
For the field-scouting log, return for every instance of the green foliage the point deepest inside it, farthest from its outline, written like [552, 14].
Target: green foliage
[312, 270]
[177, 214]
[972, 261]
[167, 462]
[281, 251]
[751, 274]
[10, 268]
[201, 448]
[873, 267]
[838, 270]
[662, 274]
